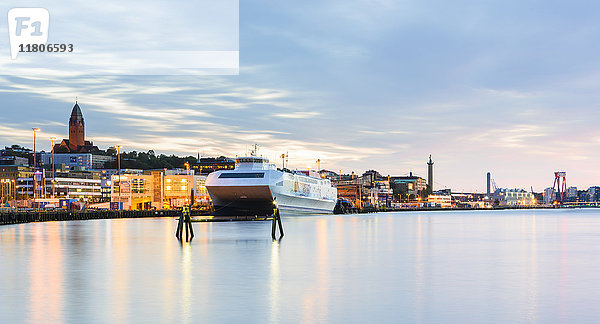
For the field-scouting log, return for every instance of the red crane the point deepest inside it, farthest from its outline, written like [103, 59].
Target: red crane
[560, 185]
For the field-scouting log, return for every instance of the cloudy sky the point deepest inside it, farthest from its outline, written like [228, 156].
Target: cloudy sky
[510, 87]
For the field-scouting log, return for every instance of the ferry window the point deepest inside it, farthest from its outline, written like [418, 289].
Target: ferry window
[243, 175]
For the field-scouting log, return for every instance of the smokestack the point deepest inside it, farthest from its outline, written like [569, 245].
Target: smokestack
[489, 183]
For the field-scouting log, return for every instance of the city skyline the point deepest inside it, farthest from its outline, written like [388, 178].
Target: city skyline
[507, 88]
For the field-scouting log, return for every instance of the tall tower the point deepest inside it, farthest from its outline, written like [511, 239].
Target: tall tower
[489, 183]
[76, 128]
[430, 174]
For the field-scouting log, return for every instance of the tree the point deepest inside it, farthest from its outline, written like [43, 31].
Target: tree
[149, 160]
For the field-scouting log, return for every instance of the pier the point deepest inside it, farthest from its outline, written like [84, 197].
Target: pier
[20, 217]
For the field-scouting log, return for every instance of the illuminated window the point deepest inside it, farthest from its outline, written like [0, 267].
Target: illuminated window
[168, 187]
[183, 187]
[168, 180]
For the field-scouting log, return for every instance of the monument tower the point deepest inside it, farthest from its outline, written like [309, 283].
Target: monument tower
[430, 174]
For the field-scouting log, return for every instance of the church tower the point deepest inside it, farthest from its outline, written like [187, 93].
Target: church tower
[76, 128]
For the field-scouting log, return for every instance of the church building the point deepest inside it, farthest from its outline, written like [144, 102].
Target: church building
[76, 142]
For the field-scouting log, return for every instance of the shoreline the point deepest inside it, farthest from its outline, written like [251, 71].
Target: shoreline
[22, 217]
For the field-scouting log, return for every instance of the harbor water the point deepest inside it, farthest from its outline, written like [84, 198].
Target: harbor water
[429, 267]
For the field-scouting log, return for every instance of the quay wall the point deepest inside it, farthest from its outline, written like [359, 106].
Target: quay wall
[19, 217]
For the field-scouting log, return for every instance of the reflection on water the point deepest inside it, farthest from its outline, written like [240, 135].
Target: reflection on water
[186, 281]
[46, 274]
[501, 266]
[274, 297]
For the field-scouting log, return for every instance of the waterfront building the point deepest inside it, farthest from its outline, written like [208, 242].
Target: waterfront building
[134, 191]
[84, 185]
[12, 187]
[73, 184]
[177, 189]
[410, 187]
[594, 194]
[571, 194]
[549, 195]
[201, 195]
[353, 188]
[13, 160]
[207, 165]
[105, 180]
[514, 197]
[86, 161]
[74, 188]
[15, 149]
[76, 142]
[443, 201]
[582, 195]
[380, 195]
[158, 189]
[372, 176]
[16, 174]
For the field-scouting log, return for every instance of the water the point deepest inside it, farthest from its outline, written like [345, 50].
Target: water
[494, 266]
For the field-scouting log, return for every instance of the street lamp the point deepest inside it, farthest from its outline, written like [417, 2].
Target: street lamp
[14, 193]
[283, 157]
[2, 182]
[35, 130]
[52, 139]
[190, 181]
[118, 147]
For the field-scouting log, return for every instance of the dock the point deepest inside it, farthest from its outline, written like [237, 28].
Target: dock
[20, 217]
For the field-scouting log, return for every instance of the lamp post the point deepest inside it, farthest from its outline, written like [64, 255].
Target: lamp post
[35, 130]
[190, 181]
[14, 193]
[283, 157]
[118, 147]
[2, 182]
[52, 139]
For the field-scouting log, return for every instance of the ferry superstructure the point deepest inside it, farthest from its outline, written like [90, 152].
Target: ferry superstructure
[255, 184]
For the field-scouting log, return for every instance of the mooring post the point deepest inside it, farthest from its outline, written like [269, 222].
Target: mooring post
[191, 228]
[179, 230]
[276, 221]
[185, 220]
[273, 226]
[189, 215]
[185, 224]
[280, 224]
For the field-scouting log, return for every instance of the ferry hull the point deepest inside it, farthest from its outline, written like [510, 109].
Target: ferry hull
[241, 200]
[259, 201]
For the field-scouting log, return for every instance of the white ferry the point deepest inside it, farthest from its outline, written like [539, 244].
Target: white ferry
[255, 185]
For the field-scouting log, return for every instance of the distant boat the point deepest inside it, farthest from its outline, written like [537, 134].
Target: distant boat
[255, 185]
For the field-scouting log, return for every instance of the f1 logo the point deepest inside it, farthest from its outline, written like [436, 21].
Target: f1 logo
[27, 26]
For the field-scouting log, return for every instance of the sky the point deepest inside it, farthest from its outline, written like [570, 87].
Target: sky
[507, 87]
